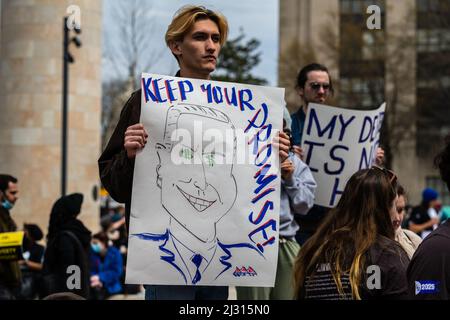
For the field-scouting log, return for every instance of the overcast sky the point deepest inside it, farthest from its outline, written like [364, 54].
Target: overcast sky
[257, 18]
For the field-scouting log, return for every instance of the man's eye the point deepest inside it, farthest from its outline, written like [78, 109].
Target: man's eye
[216, 38]
[200, 37]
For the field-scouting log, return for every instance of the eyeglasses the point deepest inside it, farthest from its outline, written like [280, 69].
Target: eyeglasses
[316, 86]
[389, 173]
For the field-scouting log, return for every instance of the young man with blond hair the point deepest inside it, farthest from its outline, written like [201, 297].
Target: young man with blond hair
[195, 37]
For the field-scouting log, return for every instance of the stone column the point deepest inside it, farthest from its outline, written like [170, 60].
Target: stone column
[400, 88]
[31, 103]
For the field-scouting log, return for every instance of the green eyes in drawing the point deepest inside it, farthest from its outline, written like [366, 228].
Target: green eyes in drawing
[209, 159]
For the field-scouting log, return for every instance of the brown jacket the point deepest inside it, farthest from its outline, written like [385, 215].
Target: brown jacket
[116, 170]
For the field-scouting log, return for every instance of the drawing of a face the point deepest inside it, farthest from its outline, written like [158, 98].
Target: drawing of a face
[204, 190]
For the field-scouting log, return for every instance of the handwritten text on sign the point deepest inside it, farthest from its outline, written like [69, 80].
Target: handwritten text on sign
[338, 142]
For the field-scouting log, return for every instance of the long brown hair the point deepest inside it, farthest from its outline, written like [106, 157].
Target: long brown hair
[350, 229]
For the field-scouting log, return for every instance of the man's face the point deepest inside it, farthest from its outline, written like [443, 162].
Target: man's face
[317, 88]
[197, 53]
[12, 193]
[199, 193]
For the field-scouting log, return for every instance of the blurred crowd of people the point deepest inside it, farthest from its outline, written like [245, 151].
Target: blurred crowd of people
[72, 259]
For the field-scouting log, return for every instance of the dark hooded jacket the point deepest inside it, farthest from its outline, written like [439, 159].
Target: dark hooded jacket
[10, 275]
[68, 243]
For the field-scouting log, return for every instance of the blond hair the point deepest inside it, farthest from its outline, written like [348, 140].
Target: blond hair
[185, 18]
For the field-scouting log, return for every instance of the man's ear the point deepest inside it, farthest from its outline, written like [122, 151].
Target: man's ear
[175, 47]
[300, 92]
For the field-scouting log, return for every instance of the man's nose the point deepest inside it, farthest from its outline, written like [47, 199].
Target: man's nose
[210, 45]
[321, 90]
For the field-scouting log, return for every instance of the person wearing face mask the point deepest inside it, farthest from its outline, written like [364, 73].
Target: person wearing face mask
[106, 268]
[407, 239]
[10, 275]
[116, 231]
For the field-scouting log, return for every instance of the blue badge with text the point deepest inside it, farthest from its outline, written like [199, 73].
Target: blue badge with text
[426, 287]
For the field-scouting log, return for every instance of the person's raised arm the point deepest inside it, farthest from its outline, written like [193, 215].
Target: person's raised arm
[417, 228]
[116, 164]
[299, 184]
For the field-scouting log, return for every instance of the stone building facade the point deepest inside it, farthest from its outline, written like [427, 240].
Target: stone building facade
[31, 46]
[405, 63]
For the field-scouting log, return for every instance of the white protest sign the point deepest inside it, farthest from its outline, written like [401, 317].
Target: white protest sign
[206, 188]
[338, 142]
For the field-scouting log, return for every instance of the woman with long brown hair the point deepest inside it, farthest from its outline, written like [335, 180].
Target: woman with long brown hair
[353, 254]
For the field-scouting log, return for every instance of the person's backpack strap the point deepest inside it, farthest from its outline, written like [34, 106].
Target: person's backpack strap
[74, 238]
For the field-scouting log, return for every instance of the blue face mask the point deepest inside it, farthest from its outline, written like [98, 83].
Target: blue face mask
[96, 247]
[7, 205]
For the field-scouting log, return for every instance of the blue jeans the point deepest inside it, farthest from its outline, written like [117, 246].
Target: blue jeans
[164, 292]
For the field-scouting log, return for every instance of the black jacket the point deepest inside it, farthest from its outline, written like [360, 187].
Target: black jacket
[10, 275]
[68, 245]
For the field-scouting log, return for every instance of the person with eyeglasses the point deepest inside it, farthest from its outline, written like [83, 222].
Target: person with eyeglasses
[314, 85]
[353, 254]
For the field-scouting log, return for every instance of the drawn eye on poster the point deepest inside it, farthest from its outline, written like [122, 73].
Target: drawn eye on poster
[338, 142]
[206, 188]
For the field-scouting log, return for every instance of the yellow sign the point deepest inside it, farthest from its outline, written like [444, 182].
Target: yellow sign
[11, 239]
[10, 245]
